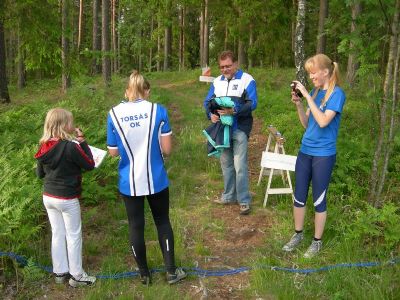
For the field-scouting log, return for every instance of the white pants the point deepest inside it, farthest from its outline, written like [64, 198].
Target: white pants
[66, 240]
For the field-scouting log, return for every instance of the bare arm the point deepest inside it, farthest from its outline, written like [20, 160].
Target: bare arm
[166, 144]
[113, 152]
[303, 115]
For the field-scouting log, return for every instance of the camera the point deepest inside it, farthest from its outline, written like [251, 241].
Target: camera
[293, 86]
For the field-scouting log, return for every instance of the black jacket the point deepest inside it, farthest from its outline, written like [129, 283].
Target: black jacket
[60, 163]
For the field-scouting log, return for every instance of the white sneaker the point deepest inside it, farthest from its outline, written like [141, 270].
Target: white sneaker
[82, 280]
[314, 248]
[294, 242]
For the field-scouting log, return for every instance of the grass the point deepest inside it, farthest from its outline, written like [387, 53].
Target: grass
[195, 181]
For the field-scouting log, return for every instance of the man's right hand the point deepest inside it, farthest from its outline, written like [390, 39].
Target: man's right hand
[214, 118]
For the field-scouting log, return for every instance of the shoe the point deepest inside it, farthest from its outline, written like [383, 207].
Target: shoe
[177, 276]
[61, 278]
[314, 248]
[83, 280]
[244, 209]
[224, 202]
[294, 242]
[145, 279]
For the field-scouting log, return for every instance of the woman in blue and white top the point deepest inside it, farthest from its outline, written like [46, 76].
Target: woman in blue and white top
[139, 132]
[317, 154]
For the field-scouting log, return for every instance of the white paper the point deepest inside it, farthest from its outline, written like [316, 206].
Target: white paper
[278, 161]
[98, 155]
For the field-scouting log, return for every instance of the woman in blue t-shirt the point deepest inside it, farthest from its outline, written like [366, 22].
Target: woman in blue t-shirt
[317, 154]
[139, 132]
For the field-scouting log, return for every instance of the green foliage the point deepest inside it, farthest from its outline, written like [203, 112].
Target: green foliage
[378, 225]
[32, 273]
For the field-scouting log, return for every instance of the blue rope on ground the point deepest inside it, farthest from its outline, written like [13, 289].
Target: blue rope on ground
[208, 273]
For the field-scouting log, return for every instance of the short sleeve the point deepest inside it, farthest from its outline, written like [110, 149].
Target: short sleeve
[165, 125]
[111, 133]
[336, 101]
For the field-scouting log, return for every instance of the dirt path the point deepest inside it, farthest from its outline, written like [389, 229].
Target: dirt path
[242, 235]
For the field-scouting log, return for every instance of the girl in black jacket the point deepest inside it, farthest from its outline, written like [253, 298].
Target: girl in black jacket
[62, 155]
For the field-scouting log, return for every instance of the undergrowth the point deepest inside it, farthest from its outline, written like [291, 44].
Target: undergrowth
[355, 231]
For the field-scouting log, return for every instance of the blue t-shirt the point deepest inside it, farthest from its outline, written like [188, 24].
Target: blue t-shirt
[319, 141]
[135, 128]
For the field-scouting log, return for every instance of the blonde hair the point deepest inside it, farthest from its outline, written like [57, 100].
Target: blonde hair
[136, 86]
[322, 62]
[57, 124]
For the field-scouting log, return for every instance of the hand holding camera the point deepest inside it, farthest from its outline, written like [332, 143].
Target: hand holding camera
[293, 85]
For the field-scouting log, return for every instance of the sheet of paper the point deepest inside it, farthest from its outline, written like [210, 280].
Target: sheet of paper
[98, 155]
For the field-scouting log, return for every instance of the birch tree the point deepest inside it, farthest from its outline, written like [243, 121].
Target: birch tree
[299, 54]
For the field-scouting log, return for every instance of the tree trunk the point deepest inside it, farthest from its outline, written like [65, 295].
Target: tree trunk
[202, 35]
[167, 47]
[251, 42]
[392, 125]
[4, 95]
[96, 38]
[114, 35]
[80, 25]
[226, 36]
[293, 28]
[323, 15]
[299, 54]
[182, 39]
[66, 78]
[118, 59]
[378, 166]
[158, 44]
[151, 45]
[21, 64]
[241, 54]
[206, 35]
[352, 62]
[105, 42]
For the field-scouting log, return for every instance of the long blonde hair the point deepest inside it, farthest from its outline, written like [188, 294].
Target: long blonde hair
[58, 124]
[136, 86]
[322, 62]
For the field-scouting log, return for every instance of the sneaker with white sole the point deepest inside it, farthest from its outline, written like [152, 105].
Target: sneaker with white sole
[177, 276]
[61, 278]
[244, 209]
[82, 280]
[294, 242]
[314, 248]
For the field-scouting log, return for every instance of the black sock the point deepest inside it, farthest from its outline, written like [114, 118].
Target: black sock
[315, 239]
[298, 231]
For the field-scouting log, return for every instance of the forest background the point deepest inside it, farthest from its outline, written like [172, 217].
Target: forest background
[69, 53]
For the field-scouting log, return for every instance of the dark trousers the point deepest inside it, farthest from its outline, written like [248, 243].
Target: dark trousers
[159, 205]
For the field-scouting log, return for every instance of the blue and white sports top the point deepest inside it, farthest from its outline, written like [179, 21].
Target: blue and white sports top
[319, 141]
[135, 128]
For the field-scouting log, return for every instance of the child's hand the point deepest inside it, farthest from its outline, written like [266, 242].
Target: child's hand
[80, 137]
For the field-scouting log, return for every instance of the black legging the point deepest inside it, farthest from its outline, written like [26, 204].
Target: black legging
[159, 205]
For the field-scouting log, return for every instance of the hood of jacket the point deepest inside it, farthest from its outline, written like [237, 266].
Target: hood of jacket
[51, 152]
